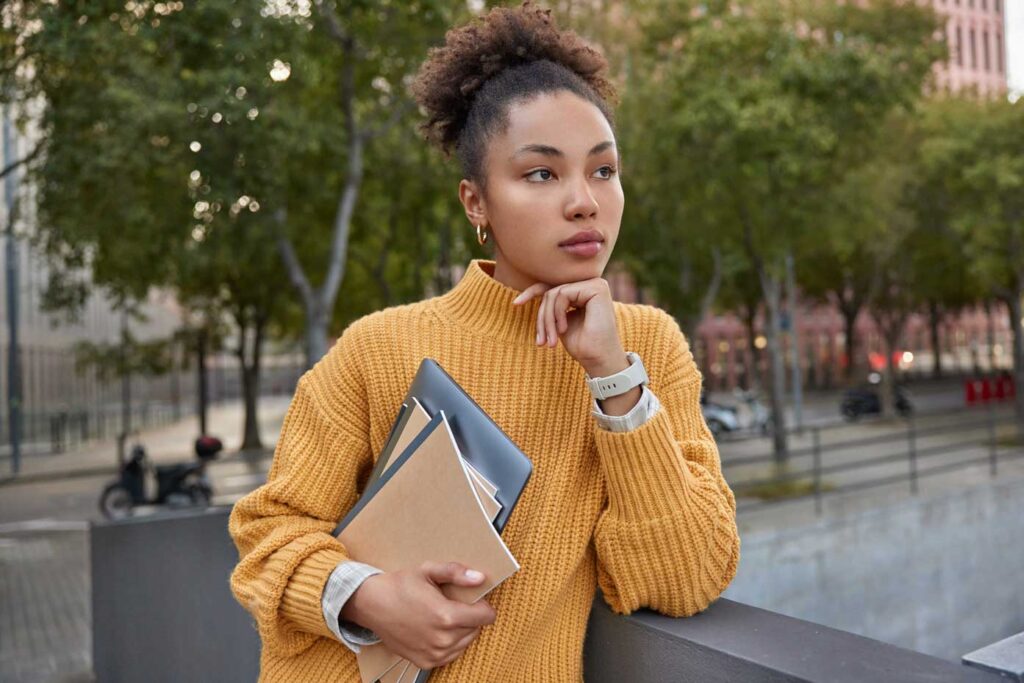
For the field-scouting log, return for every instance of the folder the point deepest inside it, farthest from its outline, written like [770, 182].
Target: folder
[398, 523]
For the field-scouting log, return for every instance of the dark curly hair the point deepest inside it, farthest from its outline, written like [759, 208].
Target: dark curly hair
[507, 55]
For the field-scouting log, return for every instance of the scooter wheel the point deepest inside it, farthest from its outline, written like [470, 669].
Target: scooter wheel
[116, 502]
[200, 495]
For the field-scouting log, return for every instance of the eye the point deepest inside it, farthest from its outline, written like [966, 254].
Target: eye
[542, 171]
[607, 170]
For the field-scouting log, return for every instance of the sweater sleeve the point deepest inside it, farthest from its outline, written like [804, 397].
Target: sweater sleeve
[283, 529]
[667, 538]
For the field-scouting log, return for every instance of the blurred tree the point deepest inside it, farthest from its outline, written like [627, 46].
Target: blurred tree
[979, 150]
[750, 112]
[205, 139]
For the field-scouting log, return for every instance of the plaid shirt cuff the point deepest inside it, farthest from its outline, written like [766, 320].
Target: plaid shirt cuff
[341, 584]
[644, 410]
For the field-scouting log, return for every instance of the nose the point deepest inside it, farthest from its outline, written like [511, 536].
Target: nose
[581, 202]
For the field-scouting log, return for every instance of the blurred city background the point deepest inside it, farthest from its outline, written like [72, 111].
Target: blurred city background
[828, 196]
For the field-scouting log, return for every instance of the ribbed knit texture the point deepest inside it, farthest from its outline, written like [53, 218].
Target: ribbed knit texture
[645, 514]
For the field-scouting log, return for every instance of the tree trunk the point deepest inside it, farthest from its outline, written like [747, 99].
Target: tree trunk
[203, 402]
[888, 388]
[316, 333]
[1016, 310]
[249, 357]
[934, 318]
[990, 333]
[754, 380]
[777, 399]
[850, 342]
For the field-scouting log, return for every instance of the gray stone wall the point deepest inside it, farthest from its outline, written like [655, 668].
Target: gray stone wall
[942, 575]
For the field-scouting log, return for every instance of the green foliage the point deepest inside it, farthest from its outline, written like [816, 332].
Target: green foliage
[742, 123]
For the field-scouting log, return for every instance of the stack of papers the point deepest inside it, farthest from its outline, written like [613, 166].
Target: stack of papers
[428, 504]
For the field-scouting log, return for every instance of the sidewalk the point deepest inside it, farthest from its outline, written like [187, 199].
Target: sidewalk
[164, 445]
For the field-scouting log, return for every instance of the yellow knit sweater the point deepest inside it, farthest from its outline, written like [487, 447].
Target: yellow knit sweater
[644, 514]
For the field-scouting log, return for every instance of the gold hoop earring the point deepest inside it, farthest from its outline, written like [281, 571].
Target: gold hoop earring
[481, 235]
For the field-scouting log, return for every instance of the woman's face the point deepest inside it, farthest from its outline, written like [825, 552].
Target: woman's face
[553, 173]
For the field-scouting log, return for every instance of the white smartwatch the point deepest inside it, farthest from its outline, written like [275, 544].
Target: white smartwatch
[620, 382]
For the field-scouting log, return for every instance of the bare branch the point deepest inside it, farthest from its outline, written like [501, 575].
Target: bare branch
[343, 222]
[291, 260]
[24, 160]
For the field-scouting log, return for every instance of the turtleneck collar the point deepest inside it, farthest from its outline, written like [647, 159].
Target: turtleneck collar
[485, 305]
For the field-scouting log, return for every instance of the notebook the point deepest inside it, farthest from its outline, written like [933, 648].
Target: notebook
[491, 459]
[481, 442]
[398, 523]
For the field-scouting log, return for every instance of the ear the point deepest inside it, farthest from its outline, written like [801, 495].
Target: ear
[473, 201]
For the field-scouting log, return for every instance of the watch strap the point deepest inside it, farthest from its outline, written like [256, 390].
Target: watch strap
[621, 382]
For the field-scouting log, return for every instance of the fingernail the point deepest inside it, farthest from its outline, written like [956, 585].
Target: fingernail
[516, 300]
[473, 575]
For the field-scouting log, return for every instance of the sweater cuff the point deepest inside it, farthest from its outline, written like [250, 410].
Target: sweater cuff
[644, 470]
[301, 601]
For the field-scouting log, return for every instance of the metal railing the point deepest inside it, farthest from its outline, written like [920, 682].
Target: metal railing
[979, 440]
[55, 432]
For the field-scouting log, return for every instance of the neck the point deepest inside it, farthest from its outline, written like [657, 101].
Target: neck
[483, 304]
[507, 274]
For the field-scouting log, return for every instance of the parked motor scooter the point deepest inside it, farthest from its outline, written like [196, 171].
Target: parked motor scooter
[754, 414]
[180, 485]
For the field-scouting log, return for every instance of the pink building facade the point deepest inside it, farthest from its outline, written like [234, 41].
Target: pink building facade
[975, 31]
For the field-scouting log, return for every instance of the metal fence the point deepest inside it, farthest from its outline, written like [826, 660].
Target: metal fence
[58, 431]
[909, 453]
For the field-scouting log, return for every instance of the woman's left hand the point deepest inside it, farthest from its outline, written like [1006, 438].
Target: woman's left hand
[588, 331]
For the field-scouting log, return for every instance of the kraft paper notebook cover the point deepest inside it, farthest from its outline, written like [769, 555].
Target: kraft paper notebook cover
[399, 524]
[406, 426]
[482, 443]
[413, 425]
[380, 662]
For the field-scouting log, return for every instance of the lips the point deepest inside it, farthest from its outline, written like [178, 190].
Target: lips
[584, 236]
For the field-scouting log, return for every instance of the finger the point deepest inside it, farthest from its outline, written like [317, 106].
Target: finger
[452, 572]
[561, 317]
[549, 316]
[530, 292]
[461, 646]
[474, 615]
[541, 333]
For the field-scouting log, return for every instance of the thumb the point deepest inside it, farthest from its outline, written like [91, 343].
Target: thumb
[452, 572]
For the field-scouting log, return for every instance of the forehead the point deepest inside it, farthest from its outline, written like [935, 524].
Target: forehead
[563, 120]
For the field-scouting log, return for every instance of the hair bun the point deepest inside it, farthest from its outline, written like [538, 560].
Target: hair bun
[504, 37]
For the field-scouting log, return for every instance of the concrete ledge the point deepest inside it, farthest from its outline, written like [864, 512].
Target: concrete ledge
[731, 641]
[1005, 657]
[163, 611]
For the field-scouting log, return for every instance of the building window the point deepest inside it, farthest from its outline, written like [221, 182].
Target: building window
[999, 52]
[974, 50]
[984, 47]
[959, 46]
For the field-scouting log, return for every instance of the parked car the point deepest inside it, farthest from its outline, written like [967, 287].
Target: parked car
[867, 400]
[719, 418]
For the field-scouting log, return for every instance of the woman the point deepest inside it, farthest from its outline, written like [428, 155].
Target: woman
[626, 493]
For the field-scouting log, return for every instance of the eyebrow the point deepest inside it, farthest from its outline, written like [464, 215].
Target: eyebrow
[548, 150]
